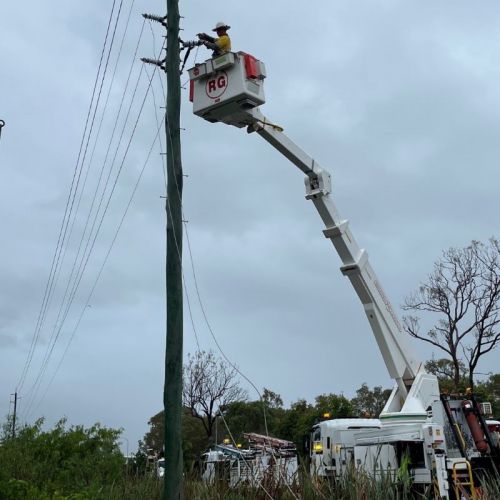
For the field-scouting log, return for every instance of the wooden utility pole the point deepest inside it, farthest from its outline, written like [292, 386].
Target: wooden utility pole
[14, 416]
[172, 389]
[172, 395]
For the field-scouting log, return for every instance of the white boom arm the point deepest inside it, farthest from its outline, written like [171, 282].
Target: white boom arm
[391, 339]
[229, 89]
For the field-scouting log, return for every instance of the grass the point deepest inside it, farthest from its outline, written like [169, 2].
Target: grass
[354, 486]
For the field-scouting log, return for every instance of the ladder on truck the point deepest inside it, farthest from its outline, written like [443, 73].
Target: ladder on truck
[463, 481]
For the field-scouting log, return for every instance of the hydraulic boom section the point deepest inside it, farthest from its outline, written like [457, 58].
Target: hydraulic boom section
[386, 327]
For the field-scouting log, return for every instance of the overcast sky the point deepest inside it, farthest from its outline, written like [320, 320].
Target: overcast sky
[399, 100]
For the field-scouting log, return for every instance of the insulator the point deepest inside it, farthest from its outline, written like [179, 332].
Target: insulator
[191, 44]
[158, 19]
[151, 61]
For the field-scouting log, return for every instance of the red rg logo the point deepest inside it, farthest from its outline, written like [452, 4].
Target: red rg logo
[216, 85]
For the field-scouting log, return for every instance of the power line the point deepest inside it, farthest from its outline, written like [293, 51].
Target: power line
[59, 267]
[186, 294]
[90, 163]
[72, 295]
[198, 292]
[75, 280]
[62, 231]
[87, 302]
[85, 178]
[234, 366]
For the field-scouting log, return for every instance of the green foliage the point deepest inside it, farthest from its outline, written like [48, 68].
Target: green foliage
[272, 399]
[489, 390]
[336, 406]
[369, 403]
[194, 438]
[445, 371]
[60, 461]
[248, 416]
[297, 422]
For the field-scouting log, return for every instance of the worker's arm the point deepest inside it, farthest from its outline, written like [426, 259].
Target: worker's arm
[211, 45]
[205, 37]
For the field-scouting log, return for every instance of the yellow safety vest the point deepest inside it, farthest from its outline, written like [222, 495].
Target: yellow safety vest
[223, 43]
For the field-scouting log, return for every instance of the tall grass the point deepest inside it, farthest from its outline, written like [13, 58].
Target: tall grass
[354, 486]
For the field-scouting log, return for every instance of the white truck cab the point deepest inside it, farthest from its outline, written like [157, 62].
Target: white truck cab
[333, 451]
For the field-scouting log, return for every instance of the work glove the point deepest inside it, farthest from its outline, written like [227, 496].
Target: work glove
[204, 36]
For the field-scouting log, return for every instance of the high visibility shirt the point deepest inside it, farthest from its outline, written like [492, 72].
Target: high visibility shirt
[223, 44]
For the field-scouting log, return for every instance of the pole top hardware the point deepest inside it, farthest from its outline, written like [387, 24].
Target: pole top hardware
[190, 44]
[2, 125]
[156, 62]
[159, 19]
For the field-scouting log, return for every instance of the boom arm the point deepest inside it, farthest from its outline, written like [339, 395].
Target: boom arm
[229, 89]
[386, 327]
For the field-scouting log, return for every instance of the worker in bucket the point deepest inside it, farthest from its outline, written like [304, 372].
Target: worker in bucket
[219, 45]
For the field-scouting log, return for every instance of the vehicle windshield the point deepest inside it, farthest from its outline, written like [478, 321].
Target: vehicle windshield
[161, 463]
[317, 434]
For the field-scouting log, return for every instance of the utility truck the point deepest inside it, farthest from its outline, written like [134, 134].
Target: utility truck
[445, 440]
[333, 451]
[266, 459]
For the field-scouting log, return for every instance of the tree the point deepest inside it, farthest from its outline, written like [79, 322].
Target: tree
[64, 459]
[155, 437]
[272, 399]
[261, 416]
[210, 384]
[463, 293]
[297, 423]
[368, 402]
[489, 390]
[194, 439]
[444, 369]
[337, 406]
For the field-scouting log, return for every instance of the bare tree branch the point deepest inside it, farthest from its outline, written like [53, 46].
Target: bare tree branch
[463, 293]
[209, 385]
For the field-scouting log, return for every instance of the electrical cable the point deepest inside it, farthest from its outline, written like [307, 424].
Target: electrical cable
[77, 283]
[103, 113]
[87, 302]
[205, 315]
[98, 182]
[55, 258]
[53, 335]
[169, 212]
[203, 309]
[242, 456]
[197, 289]
[86, 175]
[188, 301]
